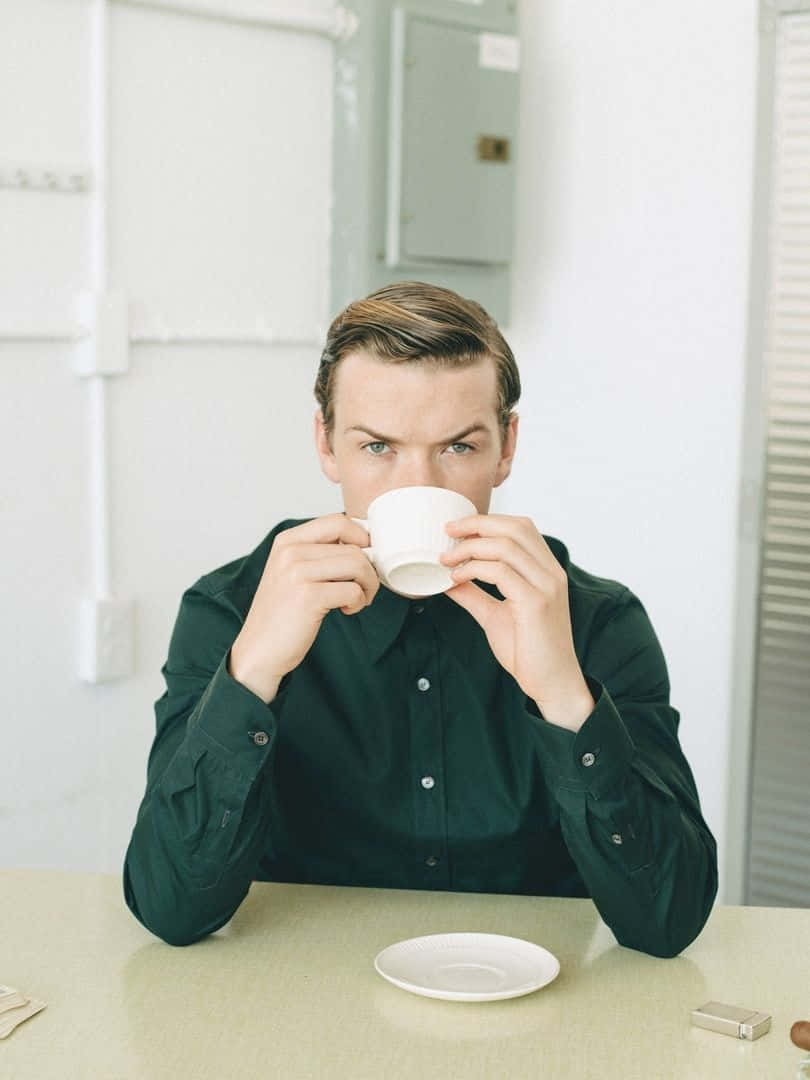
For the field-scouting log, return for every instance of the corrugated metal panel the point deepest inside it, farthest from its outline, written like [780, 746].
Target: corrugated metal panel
[779, 850]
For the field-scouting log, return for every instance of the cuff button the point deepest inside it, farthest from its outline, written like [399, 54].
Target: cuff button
[260, 738]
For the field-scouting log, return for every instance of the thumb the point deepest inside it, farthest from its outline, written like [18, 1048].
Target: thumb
[458, 593]
[472, 599]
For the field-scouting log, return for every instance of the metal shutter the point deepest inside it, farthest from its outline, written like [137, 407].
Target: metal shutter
[779, 849]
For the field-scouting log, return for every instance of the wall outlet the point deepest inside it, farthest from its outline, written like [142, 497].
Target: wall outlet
[106, 639]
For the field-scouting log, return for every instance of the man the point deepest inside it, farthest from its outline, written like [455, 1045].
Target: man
[513, 734]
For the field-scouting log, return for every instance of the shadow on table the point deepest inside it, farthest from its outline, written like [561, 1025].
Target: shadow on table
[216, 988]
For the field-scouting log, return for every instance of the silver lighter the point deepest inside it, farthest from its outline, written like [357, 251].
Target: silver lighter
[732, 1020]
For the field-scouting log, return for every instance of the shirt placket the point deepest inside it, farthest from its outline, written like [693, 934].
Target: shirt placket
[426, 765]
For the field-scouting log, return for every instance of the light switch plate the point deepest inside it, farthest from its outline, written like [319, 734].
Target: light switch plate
[106, 639]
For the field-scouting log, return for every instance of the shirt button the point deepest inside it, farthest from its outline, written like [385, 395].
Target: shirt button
[419, 609]
[616, 838]
[428, 782]
[587, 759]
[423, 683]
[261, 738]
[431, 860]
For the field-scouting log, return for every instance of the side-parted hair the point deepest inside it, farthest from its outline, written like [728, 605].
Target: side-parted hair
[413, 322]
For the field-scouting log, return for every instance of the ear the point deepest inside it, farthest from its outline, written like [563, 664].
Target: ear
[504, 466]
[327, 458]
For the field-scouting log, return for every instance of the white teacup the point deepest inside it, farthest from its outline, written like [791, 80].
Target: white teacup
[406, 527]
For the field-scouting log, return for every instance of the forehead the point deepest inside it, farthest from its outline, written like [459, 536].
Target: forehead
[365, 383]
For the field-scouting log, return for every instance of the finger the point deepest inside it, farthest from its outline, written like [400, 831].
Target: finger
[338, 568]
[346, 595]
[505, 549]
[492, 525]
[474, 599]
[330, 529]
[512, 585]
[320, 551]
[363, 570]
[520, 529]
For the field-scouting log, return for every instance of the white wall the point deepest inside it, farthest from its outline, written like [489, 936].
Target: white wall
[630, 278]
[630, 295]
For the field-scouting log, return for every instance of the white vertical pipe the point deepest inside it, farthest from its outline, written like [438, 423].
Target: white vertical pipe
[98, 125]
[99, 502]
[99, 464]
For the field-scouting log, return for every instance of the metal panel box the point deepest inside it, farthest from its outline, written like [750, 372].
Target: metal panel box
[452, 140]
[425, 148]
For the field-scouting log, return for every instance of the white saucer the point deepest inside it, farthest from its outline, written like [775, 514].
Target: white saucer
[467, 967]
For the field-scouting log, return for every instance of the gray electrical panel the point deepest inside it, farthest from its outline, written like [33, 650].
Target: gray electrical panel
[425, 148]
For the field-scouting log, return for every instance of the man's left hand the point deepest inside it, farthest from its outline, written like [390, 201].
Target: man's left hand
[529, 631]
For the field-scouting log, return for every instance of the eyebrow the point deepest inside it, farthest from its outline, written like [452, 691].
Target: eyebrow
[398, 442]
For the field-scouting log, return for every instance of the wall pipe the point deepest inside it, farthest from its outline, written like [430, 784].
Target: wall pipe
[333, 24]
[337, 23]
[97, 391]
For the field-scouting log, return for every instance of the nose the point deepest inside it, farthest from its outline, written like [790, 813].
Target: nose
[420, 470]
[425, 477]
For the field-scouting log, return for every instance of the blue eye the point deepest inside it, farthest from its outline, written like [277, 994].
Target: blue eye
[366, 446]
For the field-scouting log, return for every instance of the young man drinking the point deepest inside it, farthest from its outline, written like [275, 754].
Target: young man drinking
[511, 735]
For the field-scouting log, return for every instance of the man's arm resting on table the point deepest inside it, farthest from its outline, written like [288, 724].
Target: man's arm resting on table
[204, 821]
[629, 809]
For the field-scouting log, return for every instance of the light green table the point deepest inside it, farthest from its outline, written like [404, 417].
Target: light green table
[288, 989]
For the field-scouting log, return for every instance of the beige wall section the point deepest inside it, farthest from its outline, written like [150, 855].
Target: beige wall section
[629, 308]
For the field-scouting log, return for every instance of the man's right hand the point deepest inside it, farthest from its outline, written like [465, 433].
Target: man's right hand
[311, 569]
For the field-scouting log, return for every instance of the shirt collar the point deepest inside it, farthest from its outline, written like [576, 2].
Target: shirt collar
[382, 621]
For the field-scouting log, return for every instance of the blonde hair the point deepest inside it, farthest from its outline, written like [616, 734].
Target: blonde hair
[413, 322]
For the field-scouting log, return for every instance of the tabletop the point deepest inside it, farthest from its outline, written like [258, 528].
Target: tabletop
[288, 988]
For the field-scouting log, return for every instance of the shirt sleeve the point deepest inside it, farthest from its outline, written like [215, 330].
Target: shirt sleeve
[629, 808]
[204, 821]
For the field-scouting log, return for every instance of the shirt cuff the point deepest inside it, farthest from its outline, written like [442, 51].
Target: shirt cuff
[235, 722]
[594, 759]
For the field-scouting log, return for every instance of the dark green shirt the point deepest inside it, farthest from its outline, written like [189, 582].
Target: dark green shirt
[400, 754]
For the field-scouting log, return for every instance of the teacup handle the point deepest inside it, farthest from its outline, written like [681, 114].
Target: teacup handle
[368, 550]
